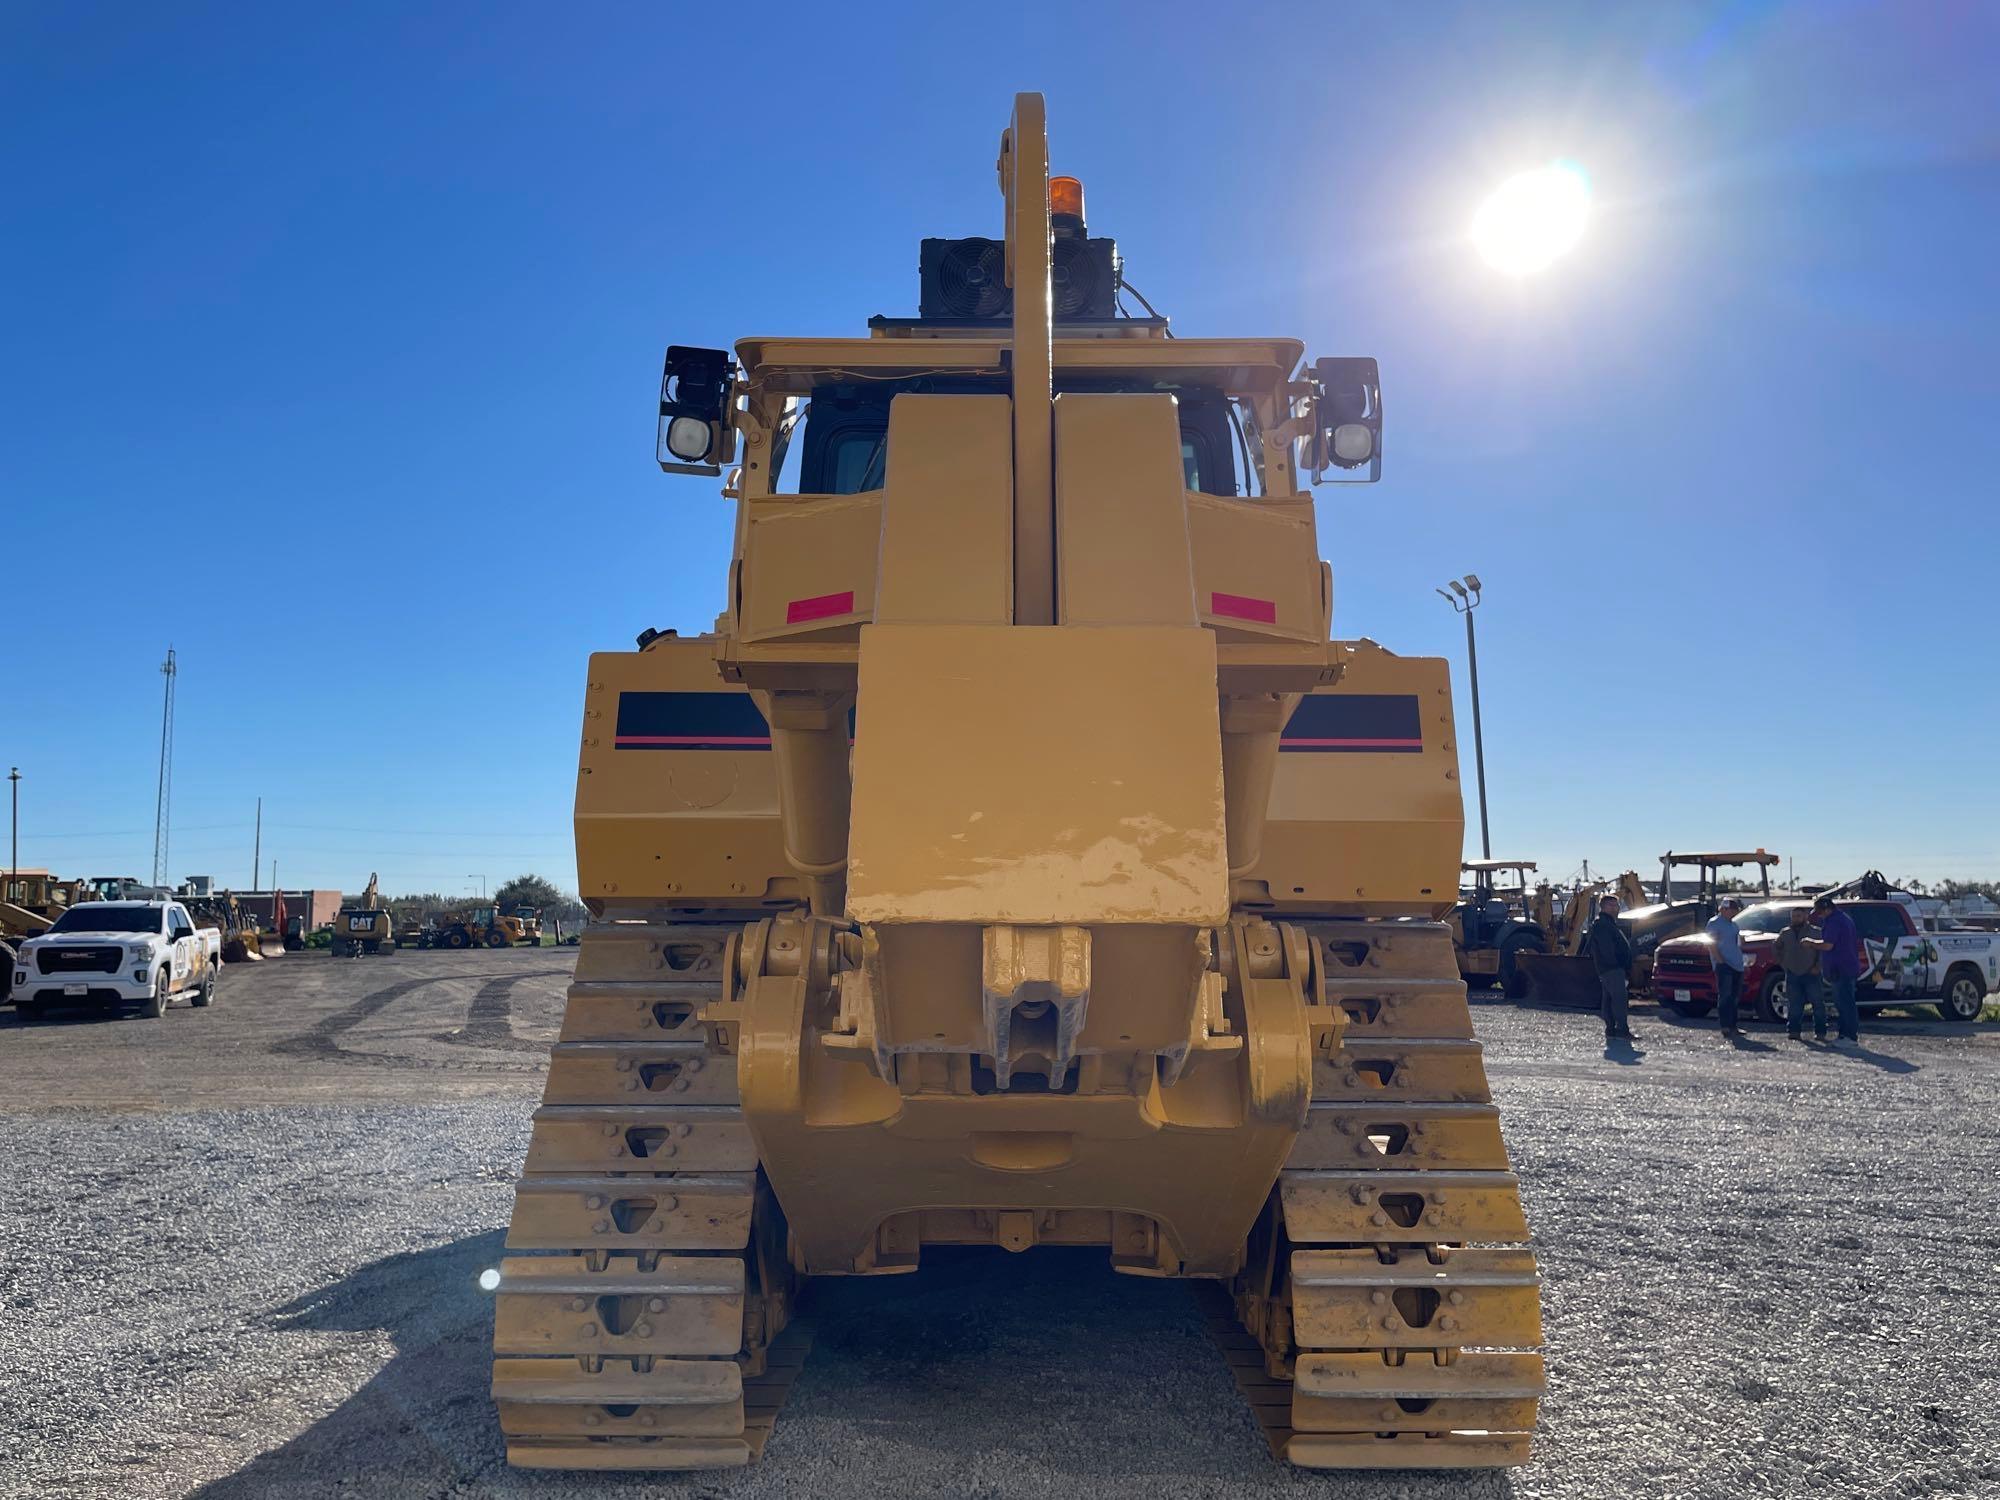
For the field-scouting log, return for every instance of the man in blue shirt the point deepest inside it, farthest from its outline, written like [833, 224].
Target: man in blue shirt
[1729, 961]
[1840, 965]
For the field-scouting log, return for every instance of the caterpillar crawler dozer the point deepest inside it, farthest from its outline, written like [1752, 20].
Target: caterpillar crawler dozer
[1019, 863]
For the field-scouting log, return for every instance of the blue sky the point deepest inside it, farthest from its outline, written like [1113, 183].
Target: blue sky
[333, 334]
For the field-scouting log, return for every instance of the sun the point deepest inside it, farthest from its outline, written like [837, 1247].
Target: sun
[1533, 219]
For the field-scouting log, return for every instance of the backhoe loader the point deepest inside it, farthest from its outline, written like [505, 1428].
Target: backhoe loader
[1020, 862]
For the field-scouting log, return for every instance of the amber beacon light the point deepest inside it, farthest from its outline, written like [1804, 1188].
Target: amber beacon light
[1066, 197]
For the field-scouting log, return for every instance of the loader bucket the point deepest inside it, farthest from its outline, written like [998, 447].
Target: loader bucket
[240, 948]
[1560, 979]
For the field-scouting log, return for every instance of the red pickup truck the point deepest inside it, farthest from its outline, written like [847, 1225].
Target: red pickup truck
[1952, 969]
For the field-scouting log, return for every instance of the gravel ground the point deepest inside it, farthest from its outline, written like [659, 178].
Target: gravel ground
[239, 1252]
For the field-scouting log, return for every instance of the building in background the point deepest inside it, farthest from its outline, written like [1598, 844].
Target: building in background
[314, 908]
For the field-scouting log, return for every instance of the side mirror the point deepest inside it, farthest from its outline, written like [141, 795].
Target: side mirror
[1347, 417]
[696, 435]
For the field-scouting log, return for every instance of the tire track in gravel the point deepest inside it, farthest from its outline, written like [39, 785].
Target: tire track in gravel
[322, 1040]
[489, 1023]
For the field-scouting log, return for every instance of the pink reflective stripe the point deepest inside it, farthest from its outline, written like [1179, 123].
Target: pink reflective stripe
[820, 607]
[1243, 607]
[694, 739]
[1293, 739]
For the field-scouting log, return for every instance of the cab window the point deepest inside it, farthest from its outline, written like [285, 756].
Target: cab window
[843, 446]
[1879, 924]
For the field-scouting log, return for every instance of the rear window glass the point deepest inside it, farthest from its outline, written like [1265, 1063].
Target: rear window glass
[1765, 919]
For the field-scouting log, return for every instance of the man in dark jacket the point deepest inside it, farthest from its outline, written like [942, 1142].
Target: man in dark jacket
[1611, 951]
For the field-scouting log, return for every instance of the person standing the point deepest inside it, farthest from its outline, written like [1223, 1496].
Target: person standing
[1839, 966]
[1729, 961]
[1798, 956]
[1611, 952]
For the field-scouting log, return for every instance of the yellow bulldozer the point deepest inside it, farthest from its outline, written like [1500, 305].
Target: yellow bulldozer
[1020, 862]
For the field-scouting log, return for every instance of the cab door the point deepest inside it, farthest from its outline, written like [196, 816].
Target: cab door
[1896, 962]
[181, 948]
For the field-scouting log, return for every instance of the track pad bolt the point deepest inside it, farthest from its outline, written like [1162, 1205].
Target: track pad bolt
[600, 1226]
[1379, 1297]
[595, 1200]
[577, 1304]
[1392, 1322]
[611, 1130]
[1447, 1322]
[1358, 1193]
[682, 1131]
[656, 1304]
[1378, 1219]
[644, 1330]
[1456, 1299]
[586, 1330]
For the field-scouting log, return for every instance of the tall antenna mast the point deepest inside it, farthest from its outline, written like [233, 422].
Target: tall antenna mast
[164, 799]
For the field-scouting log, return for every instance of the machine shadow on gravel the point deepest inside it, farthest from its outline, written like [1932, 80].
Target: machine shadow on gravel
[423, 1421]
[933, 1359]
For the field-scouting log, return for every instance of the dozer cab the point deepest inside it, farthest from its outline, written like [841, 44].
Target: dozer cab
[1020, 862]
[1496, 922]
[1569, 978]
[365, 925]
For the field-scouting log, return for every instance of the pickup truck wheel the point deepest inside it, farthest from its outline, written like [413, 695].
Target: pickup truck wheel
[1774, 999]
[204, 997]
[1964, 995]
[156, 1006]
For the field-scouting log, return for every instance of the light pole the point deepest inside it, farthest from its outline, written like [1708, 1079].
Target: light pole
[14, 841]
[1464, 597]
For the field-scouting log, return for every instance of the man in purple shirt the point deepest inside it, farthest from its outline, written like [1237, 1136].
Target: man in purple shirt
[1840, 964]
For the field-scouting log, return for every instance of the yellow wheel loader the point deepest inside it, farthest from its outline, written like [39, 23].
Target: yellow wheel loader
[482, 927]
[1020, 862]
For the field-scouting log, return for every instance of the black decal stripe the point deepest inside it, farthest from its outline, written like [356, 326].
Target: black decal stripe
[1355, 723]
[690, 721]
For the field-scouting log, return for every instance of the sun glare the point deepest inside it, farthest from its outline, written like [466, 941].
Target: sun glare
[1533, 219]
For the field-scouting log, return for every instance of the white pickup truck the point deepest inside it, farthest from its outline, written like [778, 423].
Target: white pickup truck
[118, 953]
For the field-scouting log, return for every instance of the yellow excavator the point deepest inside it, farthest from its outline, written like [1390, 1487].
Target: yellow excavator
[1020, 862]
[364, 926]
